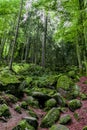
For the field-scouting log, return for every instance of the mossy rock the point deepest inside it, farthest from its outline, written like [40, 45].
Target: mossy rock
[50, 118]
[2, 100]
[59, 127]
[32, 101]
[4, 110]
[32, 121]
[74, 93]
[50, 103]
[8, 77]
[74, 104]
[65, 119]
[41, 97]
[23, 125]
[10, 98]
[71, 74]
[24, 105]
[60, 99]
[18, 109]
[83, 96]
[85, 128]
[32, 113]
[64, 82]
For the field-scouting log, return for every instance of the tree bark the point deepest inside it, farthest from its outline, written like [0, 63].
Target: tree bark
[44, 42]
[16, 35]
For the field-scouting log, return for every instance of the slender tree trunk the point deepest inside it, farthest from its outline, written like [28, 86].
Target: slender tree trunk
[27, 49]
[44, 42]
[16, 35]
[78, 55]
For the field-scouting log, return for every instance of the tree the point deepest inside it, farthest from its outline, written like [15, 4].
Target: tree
[16, 35]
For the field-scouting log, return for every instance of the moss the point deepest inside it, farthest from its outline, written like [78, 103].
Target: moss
[59, 127]
[4, 110]
[2, 100]
[65, 119]
[50, 118]
[18, 109]
[23, 125]
[28, 80]
[76, 116]
[71, 74]
[74, 104]
[32, 101]
[10, 98]
[7, 77]
[74, 93]
[60, 99]
[85, 128]
[64, 82]
[24, 105]
[83, 96]
[50, 103]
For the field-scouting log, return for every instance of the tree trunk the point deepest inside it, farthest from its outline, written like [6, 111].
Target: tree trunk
[16, 35]
[44, 42]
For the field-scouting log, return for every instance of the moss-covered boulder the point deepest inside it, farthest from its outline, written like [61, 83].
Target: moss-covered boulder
[71, 74]
[64, 82]
[74, 92]
[23, 125]
[41, 97]
[65, 119]
[50, 103]
[9, 98]
[32, 121]
[2, 100]
[24, 105]
[83, 96]
[84, 128]
[32, 101]
[60, 99]
[4, 110]
[50, 118]
[18, 109]
[59, 127]
[74, 104]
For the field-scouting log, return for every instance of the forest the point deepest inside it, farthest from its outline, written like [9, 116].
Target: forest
[43, 64]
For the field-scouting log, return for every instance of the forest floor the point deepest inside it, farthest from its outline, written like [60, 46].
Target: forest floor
[78, 122]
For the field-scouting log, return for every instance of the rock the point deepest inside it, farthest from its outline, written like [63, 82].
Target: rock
[83, 96]
[85, 128]
[42, 98]
[24, 105]
[74, 104]
[71, 74]
[32, 101]
[60, 100]
[64, 82]
[23, 125]
[9, 98]
[74, 93]
[32, 121]
[50, 118]
[59, 127]
[4, 110]
[18, 109]
[65, 119]
[39, 95]
[50, 103]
